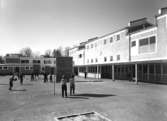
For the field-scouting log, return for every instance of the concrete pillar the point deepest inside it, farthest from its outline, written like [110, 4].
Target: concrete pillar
[113, 77]
[161, 73]
[142, 72]
[136, 76]
[155, 76]
[148, 71]
[78, 70]
[97, 71]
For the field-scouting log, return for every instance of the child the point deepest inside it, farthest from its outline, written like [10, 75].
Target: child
[72, 85]
[64, 86]
[11, 82]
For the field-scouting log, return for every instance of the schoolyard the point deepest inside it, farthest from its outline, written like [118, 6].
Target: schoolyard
[118, 100]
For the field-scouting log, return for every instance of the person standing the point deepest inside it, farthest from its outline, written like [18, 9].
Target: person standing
[32, 76]
[72, 85]
[45, 77]
[64, 86]
[21, 78]
[11, 82]
[50, 78]
[85, 74]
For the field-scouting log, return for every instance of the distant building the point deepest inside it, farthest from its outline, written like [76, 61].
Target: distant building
[15, 63]
[136, 52]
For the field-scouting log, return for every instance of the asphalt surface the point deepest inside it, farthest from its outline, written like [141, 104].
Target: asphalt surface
[118, 100]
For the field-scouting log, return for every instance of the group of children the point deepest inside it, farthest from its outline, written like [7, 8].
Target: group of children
[64, 86]
[63, 83]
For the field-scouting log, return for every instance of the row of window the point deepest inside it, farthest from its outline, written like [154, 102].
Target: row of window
[104, 42]
[3, 68]
[92, 69]
[105, 59]
[6, 68]
[38, 61]
[144, 41]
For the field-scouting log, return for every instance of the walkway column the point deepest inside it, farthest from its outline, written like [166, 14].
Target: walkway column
[161, 73]
[78, 70]
[148, 72]
[113, 77]
[136, 76]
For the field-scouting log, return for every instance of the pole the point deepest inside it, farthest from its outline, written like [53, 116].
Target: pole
[113, 78]
[55, 71]
[54, 85]
[97, 71]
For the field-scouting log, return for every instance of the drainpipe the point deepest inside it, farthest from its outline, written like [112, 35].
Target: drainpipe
[129, 46]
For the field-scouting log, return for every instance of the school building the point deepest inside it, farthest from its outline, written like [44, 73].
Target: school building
[16, 63]
[137, 51]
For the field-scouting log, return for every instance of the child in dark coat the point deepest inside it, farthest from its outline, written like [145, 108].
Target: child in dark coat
[72, 85]
[64, 86]
[11, 82]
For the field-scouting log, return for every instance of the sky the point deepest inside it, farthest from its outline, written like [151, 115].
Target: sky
[49, 24]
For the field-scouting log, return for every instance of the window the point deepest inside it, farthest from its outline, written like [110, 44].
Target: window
[152, 40]
[96, 60]
[147, 44]
[91, 60]
[5, 68]
[133, 43]
[143, 42]
[80, 55]
[88, 47]
[24, 61]
[111, 58]
[82, 69]
[88, 61]
[95, 44]
[26, 68]
[105, 41]
[92, 69]
[0, 68]
[36, 61]
[31, 68]
[47, 62]
[118, 57]
[111, 40]
[91, 45]
[105, 59]
[118, 37]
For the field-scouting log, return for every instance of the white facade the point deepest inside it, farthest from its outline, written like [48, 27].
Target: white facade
[141, 43]
[120, 46]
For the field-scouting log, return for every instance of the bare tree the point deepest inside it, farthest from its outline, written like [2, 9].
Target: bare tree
[66, 51]
[48, 53]
[36, 54]
[1, 59]
[56, 53]
[26, 52]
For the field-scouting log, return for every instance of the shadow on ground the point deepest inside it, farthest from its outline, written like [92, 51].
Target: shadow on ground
[78, 97]
[94, 95]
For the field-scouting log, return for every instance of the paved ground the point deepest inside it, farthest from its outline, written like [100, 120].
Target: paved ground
[118, 101]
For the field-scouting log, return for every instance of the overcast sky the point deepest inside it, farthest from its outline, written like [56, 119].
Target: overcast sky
[48, 24]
